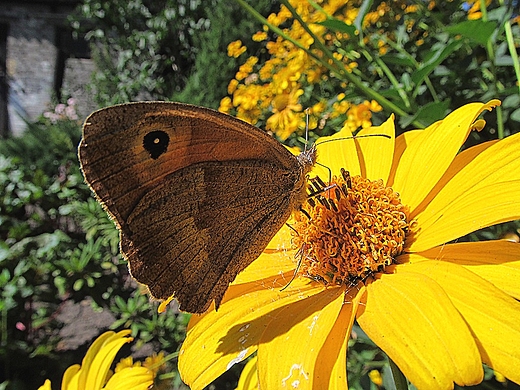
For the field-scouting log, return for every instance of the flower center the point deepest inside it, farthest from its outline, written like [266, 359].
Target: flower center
[349, 230]
[280, 102]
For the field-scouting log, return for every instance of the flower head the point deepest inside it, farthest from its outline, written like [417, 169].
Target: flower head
[287, 114]
[94, 372]
[378, 248]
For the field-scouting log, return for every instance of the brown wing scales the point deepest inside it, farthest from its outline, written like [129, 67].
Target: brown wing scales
[205, 224]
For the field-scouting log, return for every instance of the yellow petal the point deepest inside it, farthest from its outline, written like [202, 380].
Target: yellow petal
[221, 339]
[412, 319]
[425, 161]
[376, 152]
[401, 144]
[492, 315]
[330, 370]
[135, 378]
[278, 258]
[97, 374]
[336, 152]
[249, 377]
[46, 385]
[68, 382]
[482, 193]
[497, 261]
[459, 162]
[93, 350]
[292, 341]
[267, 266]
[281, 240]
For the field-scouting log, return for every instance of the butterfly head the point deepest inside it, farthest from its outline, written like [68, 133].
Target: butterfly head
[307, 159]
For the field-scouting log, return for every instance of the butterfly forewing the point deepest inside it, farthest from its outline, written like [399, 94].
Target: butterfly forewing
[196, 194]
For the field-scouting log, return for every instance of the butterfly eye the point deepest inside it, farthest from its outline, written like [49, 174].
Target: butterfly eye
[156, 143]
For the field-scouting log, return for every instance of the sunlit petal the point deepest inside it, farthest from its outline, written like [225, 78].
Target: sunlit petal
[496, 261]
[459, 162]
[249, 377]
[376, 152]
[291, 342]
[221, 339]
[278, 259]
[401, 144]
[336, 152]
[492, 315]
[330, 369]
[135, 378]
[413, 320]
[103, 360]
[483, 193]
[97, 345]
[68, 381]
[424, 162]
[46, 385]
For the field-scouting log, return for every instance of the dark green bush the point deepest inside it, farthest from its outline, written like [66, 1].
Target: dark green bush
[163, 50]
[58, 250]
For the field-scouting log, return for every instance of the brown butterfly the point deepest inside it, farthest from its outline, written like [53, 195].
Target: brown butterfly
[196, 194]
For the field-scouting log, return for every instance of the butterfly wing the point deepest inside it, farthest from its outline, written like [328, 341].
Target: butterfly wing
[196, 194]
[128, 149]
[215, 219]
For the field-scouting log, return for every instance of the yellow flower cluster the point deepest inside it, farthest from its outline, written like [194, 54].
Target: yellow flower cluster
[475, 12]
[276, 92]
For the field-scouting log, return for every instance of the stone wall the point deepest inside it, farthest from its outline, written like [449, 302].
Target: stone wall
[34, 74]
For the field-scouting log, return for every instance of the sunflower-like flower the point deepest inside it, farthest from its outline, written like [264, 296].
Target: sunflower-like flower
[377, 246]
[94, 372]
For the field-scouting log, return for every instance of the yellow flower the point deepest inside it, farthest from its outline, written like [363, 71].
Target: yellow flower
[154, 362]
[259, 36]
[361, 115]
[379, 248]
[286, 114]
[475, 11]
[235, 49]
[225, 105]
[376, 378]
[94, 372]
[245, 69]
[248, 378]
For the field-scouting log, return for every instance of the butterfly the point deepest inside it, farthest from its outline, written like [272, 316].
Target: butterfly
[196, 194]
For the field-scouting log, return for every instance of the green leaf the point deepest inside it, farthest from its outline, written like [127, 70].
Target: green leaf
[397, 59]
[475, 30]
[515, 115]
[338, 25]
[435, 60]
[428, 113]
[78, 284]
[511, 101]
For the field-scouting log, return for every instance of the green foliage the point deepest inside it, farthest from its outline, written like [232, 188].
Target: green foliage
[212, 70]
[437, 60]
[58, 245]
[163, 50]
[142, 47]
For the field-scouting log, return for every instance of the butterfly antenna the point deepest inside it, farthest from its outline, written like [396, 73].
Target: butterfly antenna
[354, 137]
[298, 255]
[306, 129]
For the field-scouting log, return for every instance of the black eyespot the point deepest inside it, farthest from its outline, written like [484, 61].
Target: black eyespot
[156, 143]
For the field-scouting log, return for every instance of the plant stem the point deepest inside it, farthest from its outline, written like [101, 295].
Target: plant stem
[330, 62]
